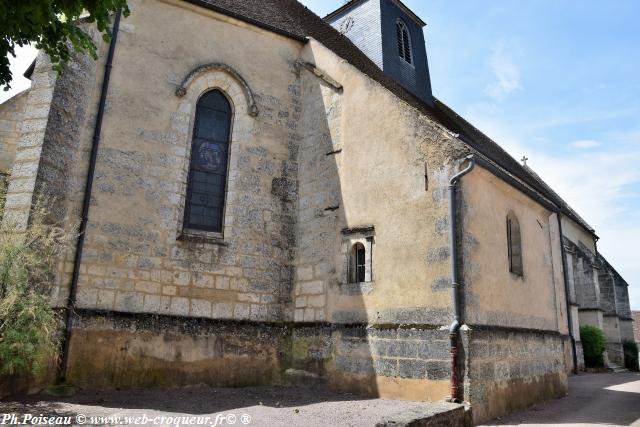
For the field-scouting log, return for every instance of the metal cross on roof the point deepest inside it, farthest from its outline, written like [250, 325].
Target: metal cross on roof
[524, 160]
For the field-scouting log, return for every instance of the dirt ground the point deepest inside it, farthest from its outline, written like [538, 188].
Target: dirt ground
[265, 406]
[593, 399]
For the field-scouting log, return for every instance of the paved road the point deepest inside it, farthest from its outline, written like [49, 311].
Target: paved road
[593, 399]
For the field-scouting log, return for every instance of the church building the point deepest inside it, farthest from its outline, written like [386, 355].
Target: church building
[266, 197]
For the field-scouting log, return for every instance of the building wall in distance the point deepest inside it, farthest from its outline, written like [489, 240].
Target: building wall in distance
[11, 115]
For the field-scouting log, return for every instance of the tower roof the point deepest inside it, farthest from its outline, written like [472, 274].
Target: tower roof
[352, 3]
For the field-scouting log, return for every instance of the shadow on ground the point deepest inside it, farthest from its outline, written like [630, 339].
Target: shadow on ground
[609, 398]
[198, 399]
[266, 406]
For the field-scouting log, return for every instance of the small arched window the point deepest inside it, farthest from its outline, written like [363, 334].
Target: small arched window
[206, 187]
[404, 41]
[357, 269]
[514, 244]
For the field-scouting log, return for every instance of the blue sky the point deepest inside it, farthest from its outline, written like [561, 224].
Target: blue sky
[556, 81]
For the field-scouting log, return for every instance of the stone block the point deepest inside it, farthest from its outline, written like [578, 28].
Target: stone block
[222, 310]
[179, 306]
[200, 308]
[242, 311]
[311, 288]
[148, 287]
[249, 297]
[129, 302]
[316, 300]
[181, 278]
[304, 273]
[203, 281]
[386, 367]
[412, 368]
[106, 299]
[222, 282]
[152, 303]
[86, 298]
[169, 290]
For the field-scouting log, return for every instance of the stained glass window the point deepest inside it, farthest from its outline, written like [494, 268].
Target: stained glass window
[208, 168]
[514, 245]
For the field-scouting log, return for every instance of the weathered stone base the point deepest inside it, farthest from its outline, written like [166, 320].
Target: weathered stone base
[502, 370]
[111, 350]
[438, 414]
[510, 369]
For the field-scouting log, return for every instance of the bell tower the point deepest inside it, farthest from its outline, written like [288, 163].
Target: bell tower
[391, 35]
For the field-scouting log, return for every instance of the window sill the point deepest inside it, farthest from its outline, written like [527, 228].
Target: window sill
[357, 288]
[199, 236]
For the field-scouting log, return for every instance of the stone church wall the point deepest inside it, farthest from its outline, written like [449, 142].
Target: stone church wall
[510, 369]
[517, 347]
[319, 168]
[135, 258]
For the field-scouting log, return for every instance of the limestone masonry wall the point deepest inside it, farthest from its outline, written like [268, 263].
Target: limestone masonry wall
[509, 370]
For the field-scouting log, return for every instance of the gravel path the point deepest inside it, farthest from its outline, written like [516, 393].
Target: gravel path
[593, 399]
[265, 406]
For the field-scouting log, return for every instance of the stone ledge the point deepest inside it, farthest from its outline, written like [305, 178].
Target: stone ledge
[433, 414]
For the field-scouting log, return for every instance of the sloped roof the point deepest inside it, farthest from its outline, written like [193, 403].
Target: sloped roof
[293, 19]
[564, 205]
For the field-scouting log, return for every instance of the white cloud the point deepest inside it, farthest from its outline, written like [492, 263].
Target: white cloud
[18, 65]
[598, 184]
[505, 71]
[585, 143]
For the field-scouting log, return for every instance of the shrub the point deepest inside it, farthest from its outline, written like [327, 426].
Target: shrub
[592, 346]
[29, 327]
[630, 355]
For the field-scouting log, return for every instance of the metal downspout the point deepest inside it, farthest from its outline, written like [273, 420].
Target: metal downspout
[71, 301]
[565, 276]
[455, 285]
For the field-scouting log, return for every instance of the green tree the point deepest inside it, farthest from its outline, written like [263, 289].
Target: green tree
[630, 349]
[51, 25]
[592, 346]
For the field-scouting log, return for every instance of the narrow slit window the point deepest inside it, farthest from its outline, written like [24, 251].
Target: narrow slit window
[357, 268]
[514, 245]
[404, 41]
[206, 186]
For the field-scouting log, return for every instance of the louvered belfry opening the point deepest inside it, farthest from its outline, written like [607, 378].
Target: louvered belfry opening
[404, 41]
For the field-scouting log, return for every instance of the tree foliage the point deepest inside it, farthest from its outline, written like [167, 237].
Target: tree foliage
[592, 346]
[51, 25]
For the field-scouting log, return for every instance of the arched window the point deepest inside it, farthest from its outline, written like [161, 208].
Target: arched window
[404, 41]
[357, 269]
[514, 244]
[206, 187]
